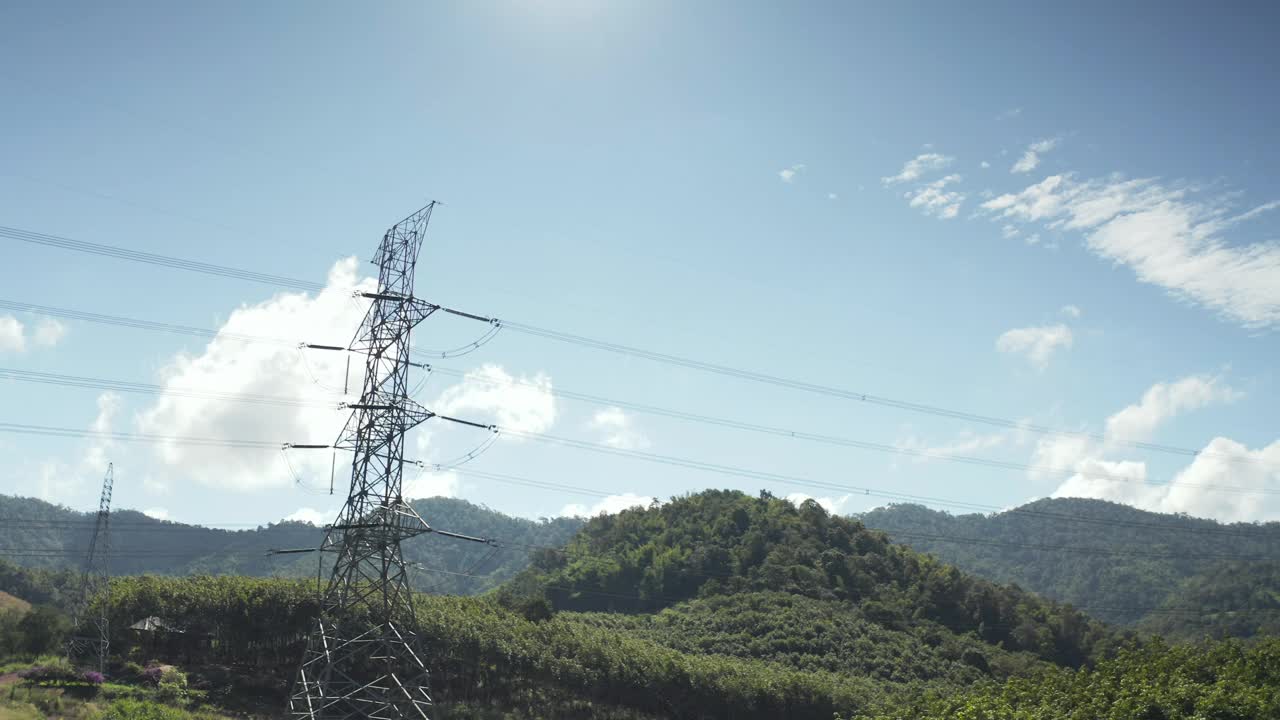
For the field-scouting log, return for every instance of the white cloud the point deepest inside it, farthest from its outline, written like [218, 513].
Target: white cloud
[832, 196]
[227, 365]
[966, 442]
[77, 483]
[1009, 231]
[1070, 311]
[788, 175]
[618, 429]
[934, 199]
[13, 335]
[1010, 113]
[984, 164]
[609, 505]
[918, 166]
[1038, 344]
[49, 332]
[491, 394]
[831, 505]
[1030, 159]
[1056, 453]
[1205, 488]
[1168, 238]
[1164, 401]
[96, 457]
[418, 485]
[319, 518]
[157, 513]
[12, 338]
[1226, 480]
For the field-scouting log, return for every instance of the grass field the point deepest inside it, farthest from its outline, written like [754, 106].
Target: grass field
[9, 602]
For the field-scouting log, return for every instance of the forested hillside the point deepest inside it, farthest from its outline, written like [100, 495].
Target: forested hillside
[37, 534]
[1120, 564]
[726, 543]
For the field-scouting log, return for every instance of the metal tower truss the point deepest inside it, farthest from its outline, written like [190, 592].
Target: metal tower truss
[362, 660]
[95, 583]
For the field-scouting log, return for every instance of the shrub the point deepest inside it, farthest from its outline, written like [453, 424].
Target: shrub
[52, 671]
[173, 686]
[93, 677]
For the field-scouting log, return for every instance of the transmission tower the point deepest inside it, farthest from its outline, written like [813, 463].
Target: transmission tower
[363, 660]
[95, 583]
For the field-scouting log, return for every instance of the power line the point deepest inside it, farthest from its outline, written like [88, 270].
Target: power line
[680, 462]
[25, 429]
[120, 321]
[764, 475]
[617, 348]
[799, 434]
[151, 389]
[125, 386]
[841, 393]
[177, 263]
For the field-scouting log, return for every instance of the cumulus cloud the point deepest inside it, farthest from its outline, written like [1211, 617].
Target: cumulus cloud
[984, 164]
[76, 482]
[967, 442]
[918, 166]
[1037, 344]
[788, 175]
[1163, 401]
[49, 332]
[491, 394]
[933, 198]
[609, 505]
[156, 513]
[427, 484]
[833, 505]
[618, 429]
[1167, 236]
[12, 337]
[319, 518]
[1226, 481]
[1030, 159]
[227, 365]
[1070, 311]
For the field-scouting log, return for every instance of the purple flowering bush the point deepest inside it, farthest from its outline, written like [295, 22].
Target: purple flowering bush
[152, 674]
[93, 677]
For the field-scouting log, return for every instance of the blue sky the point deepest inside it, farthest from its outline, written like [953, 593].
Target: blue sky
[819, 191]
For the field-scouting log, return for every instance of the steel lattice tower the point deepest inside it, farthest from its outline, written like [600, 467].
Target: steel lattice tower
[96, 583]
[362, 660]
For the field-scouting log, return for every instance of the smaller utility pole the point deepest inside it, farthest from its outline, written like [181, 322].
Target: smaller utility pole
[96, 582]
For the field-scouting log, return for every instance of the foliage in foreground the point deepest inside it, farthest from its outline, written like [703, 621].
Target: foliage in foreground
[1219, 681]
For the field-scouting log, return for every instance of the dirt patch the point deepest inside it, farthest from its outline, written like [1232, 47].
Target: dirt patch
[8, 679]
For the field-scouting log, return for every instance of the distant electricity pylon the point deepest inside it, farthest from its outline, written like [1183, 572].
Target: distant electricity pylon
[95, 583]
[363, 660]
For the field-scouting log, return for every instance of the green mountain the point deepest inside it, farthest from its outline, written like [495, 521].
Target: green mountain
[720, 545]
[34, 533]
[1170, 573]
